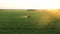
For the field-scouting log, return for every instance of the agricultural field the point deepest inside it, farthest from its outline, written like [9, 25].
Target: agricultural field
[29, 22]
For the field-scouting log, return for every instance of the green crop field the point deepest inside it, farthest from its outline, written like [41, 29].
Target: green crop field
[18, 22]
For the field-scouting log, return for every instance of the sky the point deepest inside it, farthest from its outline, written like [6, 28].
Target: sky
[29, 4]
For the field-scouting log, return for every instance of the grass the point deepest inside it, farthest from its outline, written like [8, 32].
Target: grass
[39, 22]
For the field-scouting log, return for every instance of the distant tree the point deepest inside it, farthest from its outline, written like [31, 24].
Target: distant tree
[1, 9]
[31, 10]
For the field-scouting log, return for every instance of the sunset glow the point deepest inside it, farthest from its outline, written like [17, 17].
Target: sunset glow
[29, 4]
